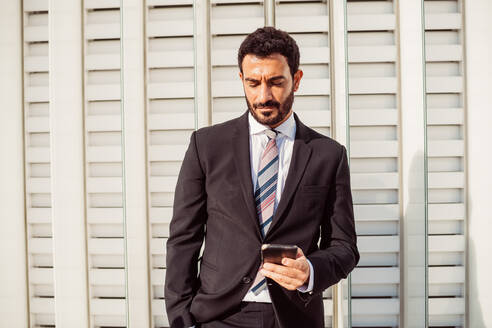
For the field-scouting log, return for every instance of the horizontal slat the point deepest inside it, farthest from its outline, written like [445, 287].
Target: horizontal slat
[41, 305]
[378, 244]
[369, 54]
[167, 153]
[446, 84]
[446, 211]
[39, 185]
[382, 212]
[440, 306]
[372, 85]
[445, 243]
[171, 90]
[375, 276]
[374, 180]
[35, 5]
[37, 124]
[375, 306]
[37, 94]
[94, 123]
[106, 246]
[443, 21]
[102, 31]
[110, 277]
[446, 180]
[381, 22]
[101, 306]
[162, 184]
[38, 154]
[160, 214]
[36, 33]
[38, 215]
[100, 4]
[315, 118]
[244, 25]
[103, 92]
[36, 64]
[440, 116]
[374, 149]
[41, 276]
[104, 154]
[303, 24]
[104, 215]
[445, 148]
[158, 246]
[104, 184]
[446, 275]
[443, 52]
[170, 28]
[174, 121]
[170, 59]
[365, 117]
[102, 61]
[40, 246]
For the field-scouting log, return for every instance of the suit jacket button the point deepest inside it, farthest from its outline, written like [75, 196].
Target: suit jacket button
[246, 280]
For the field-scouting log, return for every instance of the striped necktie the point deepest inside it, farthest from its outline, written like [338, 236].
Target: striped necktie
[265, 194]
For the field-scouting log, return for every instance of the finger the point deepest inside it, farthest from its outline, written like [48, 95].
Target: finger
[284, 270]
[281, 279]
[299, 264]
[300, 253]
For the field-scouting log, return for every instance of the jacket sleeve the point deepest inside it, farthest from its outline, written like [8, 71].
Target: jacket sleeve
[338, 254]
[186, 233]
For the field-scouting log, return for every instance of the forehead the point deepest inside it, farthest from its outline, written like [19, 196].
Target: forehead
[274, 64]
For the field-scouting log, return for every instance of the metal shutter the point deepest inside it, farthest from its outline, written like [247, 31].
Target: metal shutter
[374, 152]
[445, 131]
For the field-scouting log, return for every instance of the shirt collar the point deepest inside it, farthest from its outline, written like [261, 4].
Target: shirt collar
[287, 128]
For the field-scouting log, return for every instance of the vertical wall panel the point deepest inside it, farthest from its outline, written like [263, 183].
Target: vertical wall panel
[372, 75]
[13, 279]
[135, 173]
[445, 130]
[106, 262]
[67, 165]
[170, 122]
[38, 164]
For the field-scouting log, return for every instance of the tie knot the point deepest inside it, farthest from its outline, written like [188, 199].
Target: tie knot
[271, 134]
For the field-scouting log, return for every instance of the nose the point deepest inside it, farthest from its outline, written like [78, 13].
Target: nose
[265, 93]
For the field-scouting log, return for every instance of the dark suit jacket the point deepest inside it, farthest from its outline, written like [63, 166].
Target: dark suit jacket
[214, 202]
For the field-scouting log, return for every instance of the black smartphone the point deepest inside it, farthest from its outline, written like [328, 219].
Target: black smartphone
[274, 253]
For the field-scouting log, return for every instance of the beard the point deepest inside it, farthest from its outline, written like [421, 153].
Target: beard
[273, 117]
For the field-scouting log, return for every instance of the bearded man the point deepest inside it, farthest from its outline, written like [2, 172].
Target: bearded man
[262, 178]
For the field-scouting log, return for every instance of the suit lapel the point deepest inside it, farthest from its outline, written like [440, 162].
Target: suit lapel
[240, 142]
[300, 157]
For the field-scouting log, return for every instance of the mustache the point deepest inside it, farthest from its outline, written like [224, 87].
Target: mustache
[270, 103]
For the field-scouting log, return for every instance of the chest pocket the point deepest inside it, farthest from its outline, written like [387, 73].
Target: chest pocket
[314, 198]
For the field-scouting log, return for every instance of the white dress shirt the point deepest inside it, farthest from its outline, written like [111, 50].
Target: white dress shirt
[285, 144]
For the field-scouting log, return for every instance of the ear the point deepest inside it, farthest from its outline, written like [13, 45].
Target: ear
[240, 75]
[297, 79]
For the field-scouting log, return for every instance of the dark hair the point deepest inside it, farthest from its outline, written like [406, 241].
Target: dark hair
[266, 41]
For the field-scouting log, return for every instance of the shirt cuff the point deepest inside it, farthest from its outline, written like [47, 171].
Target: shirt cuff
[309, 287]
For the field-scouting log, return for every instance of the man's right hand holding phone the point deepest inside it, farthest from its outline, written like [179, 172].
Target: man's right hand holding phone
[292, 273]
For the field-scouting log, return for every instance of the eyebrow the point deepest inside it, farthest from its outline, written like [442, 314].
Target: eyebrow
[277, 77]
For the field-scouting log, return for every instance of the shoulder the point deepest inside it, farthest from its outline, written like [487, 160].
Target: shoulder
[218, 131]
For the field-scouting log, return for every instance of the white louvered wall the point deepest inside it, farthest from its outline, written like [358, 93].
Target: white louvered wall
[180, 96]
[37, 164]
[105, 244]
[373, 112]
[445, 139]
[170, 122]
